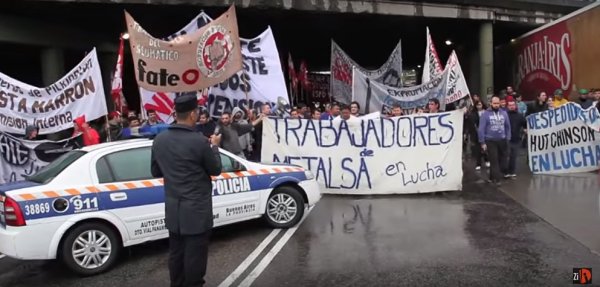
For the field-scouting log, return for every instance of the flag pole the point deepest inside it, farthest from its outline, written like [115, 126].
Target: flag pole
[244, 77]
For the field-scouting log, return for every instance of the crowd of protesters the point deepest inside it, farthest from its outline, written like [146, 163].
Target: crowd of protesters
[496, 129]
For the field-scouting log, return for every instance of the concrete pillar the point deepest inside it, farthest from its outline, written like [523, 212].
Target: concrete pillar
[486, 56]
[474, 78]
[53, 65]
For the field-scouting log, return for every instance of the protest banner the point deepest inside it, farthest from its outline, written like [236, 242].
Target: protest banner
[21, 158]
[376, 97]
[319, 88]
[564, 140]
[261, 79]
[408, 154]
[390, 73]
[54, 108]
[448, 87]
[190, 62]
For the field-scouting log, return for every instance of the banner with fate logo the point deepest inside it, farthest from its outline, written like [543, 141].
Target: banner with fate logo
[189, 62]
[261, 80]
[390, 73]
[408, 154]
[21, 158]
[54, 108]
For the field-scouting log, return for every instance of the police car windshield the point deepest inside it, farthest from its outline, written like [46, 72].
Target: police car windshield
[49, 172]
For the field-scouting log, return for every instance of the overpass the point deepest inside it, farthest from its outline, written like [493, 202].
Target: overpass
[48, 26]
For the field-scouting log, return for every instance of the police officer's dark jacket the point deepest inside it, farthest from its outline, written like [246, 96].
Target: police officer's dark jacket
[186, 161]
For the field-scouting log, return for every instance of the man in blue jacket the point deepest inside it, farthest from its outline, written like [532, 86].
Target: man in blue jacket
[494, 135]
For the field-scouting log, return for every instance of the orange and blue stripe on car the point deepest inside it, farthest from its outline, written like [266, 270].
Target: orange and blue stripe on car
[44, 204]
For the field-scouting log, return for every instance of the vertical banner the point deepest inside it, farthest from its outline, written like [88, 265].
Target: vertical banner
[190, 62]
[117, 81]
[432, 65]
[456, 86]
[409, 154]
[390, 73]
[54, 108]
[564, 140]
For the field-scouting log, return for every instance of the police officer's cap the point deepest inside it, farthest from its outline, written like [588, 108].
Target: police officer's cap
[186, 103]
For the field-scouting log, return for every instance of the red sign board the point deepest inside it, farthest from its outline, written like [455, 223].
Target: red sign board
[544, 61]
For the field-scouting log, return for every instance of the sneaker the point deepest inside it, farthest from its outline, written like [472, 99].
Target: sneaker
[478, 167]
[513, 175]
[487, 164]
[507, 176]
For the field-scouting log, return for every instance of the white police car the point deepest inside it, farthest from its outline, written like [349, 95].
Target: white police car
[89, 203]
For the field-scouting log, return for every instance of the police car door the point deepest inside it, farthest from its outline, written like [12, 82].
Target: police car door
[134, 196]
[233, 196]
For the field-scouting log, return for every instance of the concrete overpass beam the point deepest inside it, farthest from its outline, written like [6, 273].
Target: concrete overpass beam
[34, 32]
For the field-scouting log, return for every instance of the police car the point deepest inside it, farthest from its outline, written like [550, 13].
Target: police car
[85, 206]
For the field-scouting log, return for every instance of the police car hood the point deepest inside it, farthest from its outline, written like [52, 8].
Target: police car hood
[282, 164]
[16, 185]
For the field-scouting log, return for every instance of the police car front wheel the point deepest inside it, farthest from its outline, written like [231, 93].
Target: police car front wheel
[90, 248]
[285, 207]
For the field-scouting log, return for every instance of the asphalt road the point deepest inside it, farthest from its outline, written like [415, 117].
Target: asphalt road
[475, 237]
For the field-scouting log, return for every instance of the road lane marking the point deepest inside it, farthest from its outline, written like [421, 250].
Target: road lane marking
[2, 256]
[244, 265]
[262, 265]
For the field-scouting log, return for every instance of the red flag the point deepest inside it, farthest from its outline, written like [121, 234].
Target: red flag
[117, 82]
[303, 75]
[292, 72]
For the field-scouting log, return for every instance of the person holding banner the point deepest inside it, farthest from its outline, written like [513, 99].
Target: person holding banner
[518, 124]
[494, 135]
[31, 132]
[539, 105]
[231, 132]
[472, 127]
[433, 106]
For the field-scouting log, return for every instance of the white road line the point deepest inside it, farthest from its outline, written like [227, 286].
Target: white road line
[262, 265]
[2, 256]
[244, 265]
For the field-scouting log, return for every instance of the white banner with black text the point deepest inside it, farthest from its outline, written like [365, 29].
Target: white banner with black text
[54, 108]
[408, 154]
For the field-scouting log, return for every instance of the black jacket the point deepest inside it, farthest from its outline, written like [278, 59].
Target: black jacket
[517, 124]
[186, 161]
[207, 129]
[471, 124]
[536, 107]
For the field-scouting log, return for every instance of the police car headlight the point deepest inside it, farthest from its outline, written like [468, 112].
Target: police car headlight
[309, 175]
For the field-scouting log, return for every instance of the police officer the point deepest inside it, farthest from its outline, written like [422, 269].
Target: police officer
[187, 160]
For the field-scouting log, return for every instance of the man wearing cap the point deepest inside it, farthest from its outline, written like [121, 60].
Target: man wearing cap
[583, 100]
[187, 160]
[558, 99]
